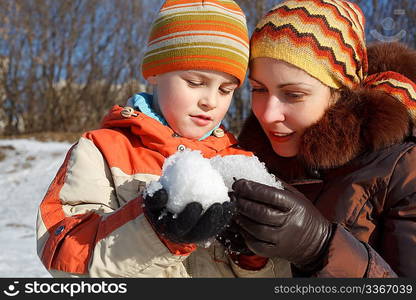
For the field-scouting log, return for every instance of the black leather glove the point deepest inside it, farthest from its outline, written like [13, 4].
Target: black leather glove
[191, 225]
[281, 223]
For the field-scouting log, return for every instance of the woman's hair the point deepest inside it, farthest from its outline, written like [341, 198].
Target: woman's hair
[384, 57]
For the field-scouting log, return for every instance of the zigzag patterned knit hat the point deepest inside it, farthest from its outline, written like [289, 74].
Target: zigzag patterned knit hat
[326, 39]
[198, 35]
[323, 37]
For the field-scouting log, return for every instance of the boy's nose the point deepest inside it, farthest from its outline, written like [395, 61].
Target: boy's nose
[208, 102]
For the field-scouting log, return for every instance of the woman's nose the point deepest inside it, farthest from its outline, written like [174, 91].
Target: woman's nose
[274, 110]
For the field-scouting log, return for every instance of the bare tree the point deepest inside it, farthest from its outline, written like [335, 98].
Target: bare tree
[69, 61]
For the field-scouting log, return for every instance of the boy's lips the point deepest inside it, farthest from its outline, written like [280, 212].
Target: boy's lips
[201, 120]
[204, 117]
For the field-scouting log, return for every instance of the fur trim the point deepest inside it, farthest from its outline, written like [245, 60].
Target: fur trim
[361, 121]
[395, 57]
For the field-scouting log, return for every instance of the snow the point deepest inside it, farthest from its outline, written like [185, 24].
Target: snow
[187, 177]
[234, 167]
[25, 175]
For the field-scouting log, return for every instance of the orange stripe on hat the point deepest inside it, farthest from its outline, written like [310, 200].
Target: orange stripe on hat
[396, 85]
[306, 40]
[202, 34]
[230, 5]
[333, 32]
[207, 26]
[169, 25]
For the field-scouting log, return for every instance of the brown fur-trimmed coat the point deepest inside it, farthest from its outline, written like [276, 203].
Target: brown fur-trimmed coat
[358, 165]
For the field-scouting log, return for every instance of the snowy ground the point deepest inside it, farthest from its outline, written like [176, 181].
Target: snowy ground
[25, 174]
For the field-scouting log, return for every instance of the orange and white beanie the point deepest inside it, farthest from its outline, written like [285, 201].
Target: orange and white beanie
[198, 35]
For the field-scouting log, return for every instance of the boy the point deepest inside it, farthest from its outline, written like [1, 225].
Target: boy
[92, 221]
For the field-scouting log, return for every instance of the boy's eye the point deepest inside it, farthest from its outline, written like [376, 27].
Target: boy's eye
[258, 90]
[194, 83]
[226, 91]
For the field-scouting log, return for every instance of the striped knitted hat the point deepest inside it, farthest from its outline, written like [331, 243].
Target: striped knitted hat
[326, 39]
[198, 35]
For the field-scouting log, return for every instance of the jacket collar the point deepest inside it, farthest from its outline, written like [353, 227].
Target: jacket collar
[156, 136]
[361, 122]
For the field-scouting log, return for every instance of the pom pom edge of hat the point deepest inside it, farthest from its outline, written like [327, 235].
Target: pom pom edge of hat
[198, 35]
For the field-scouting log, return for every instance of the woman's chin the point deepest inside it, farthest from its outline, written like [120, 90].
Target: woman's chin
[284, 152]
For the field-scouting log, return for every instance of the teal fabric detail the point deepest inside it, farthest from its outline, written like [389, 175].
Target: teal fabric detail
[144, 103]
[209, 133]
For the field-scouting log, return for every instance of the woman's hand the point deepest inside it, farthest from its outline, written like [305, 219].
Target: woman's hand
[280, 223]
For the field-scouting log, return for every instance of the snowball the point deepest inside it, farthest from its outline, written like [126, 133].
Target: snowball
[241, 166]
[153, 187]
[187, 177]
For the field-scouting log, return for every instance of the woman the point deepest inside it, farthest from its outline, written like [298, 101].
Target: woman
[334, 120]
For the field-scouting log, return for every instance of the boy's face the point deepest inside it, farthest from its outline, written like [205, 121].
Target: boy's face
[193, 102]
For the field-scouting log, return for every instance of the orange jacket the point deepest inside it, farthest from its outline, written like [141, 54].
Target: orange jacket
[91, 219]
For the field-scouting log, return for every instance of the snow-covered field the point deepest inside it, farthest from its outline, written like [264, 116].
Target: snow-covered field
[25, 174]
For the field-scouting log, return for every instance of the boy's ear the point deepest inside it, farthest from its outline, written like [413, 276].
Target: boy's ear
[152, 79]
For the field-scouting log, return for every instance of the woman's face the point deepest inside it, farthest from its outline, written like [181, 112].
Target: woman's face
[286, 100]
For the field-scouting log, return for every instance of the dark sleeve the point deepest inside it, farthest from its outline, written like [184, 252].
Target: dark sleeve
[349, 257]
[399, 235]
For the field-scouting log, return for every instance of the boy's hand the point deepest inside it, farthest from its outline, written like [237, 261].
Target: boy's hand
[233, 241]
[191, 225]
[231, 237]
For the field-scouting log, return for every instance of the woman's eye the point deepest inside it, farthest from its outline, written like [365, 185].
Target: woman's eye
[294, 95]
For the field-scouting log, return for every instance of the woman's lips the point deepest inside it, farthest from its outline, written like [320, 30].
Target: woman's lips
[281, 137]
[201, 120]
